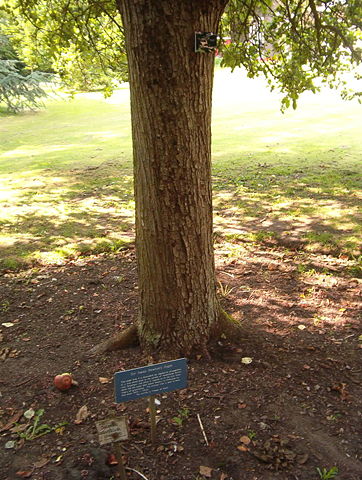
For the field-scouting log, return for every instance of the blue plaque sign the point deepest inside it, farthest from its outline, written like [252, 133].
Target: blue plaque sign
[150, 380]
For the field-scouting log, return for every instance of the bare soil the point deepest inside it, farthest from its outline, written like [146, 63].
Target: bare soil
[295, 408]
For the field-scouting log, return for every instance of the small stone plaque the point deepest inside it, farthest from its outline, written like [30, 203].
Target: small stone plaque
[112, 430]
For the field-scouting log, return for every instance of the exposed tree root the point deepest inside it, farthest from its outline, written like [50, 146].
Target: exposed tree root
[124, 339]
[226, 327]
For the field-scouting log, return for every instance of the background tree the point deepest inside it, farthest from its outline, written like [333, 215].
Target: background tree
[82, 41]
[19, 88]
[293, 42]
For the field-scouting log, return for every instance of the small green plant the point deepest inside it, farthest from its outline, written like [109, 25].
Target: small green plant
[306, 269]
[36, 429]
[334, 416]
[225, 290]
[183, 414]
[323, 238]
[251, 434]
[317, 319]
[325, 474]
[262, 236]
[4, 306]
[356, 269]
[10, 263]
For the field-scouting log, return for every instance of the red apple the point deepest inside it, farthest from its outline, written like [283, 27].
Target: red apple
[63, 382]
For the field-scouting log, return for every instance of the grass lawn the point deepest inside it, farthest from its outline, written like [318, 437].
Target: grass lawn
[297, 174]
[66, 173]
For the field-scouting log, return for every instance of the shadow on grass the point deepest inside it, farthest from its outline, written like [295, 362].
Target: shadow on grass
[317, 208]
[87, 211]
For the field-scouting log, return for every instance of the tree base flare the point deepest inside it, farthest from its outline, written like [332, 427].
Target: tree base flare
[227, 327]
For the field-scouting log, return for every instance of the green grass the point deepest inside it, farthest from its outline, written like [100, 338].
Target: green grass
[298, 173]
[66, 173]
[66, 176]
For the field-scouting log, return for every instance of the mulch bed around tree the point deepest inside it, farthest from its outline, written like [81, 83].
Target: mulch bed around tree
[295, 408]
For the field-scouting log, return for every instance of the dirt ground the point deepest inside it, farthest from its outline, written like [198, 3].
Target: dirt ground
[282, 403]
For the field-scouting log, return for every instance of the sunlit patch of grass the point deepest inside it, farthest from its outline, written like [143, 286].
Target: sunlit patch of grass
[355, 270]
[66, 178]
[13, 263]
[262, 236]
[64, 218]
[234, 251]
[60, 255]
[301, 170]
[321, 238]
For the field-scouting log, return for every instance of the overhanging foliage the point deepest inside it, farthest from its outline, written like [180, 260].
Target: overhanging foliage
[294, 43]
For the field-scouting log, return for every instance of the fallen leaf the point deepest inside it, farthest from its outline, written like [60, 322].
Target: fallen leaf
[302, 327]
[29, 413]
[242, 405]
[24, 474]
[205, 471]
[41, 463]
[245, 440]
[21, 443]
[19, 428]
[104, 380]
[111, 459]
[14, 353]
[243, 448]
[82, 414]
[223, 476]
[10, 444]
[4, 352]
[246, 360]
[7, 324]
[342, 389]
[302, 459]
[12, 420]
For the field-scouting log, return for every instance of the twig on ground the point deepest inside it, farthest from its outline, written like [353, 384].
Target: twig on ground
[203, 430]
[136, 471]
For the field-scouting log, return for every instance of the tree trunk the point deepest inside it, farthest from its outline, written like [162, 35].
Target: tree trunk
[171, 89]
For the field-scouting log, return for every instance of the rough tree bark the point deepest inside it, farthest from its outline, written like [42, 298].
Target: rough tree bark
[171, 90]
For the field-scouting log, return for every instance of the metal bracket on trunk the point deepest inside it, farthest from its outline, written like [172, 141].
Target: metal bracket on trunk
[205, 42]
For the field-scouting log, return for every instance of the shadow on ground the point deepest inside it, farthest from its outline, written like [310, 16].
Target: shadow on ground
[295, 407]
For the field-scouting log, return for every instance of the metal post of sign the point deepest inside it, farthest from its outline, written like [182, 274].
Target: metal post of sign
[120, 466]
[152, 409]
